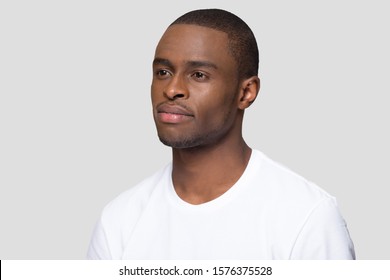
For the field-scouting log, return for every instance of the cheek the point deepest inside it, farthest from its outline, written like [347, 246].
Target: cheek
[154, 92]
[216, 108]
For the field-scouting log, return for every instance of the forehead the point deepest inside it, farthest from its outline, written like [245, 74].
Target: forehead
[193, 42]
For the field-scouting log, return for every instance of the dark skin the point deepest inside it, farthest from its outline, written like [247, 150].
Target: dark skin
[198, 105]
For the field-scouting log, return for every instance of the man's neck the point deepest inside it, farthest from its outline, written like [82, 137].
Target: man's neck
[202, 174]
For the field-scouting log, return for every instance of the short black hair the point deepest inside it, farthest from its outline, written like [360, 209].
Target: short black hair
[242, 42]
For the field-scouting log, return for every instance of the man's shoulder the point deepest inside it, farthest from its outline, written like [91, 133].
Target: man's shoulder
[287, 183]
[137, 196]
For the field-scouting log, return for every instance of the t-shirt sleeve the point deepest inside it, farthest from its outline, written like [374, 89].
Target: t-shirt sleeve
[98, 246]
[324, 235]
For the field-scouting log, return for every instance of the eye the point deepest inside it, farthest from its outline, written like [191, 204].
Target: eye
[200, 76]
[162, 73]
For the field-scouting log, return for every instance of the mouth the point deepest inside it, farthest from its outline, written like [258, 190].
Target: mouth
[173, 113]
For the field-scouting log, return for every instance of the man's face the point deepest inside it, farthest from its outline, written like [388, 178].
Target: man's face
[194, 87]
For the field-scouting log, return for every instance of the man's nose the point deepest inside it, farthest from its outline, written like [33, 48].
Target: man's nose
[176, 88]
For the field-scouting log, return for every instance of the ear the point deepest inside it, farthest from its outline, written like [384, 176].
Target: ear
[248, 92]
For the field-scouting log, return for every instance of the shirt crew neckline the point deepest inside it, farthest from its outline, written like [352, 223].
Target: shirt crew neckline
[222, 199]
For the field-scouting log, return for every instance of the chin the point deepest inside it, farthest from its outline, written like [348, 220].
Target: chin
[176, 144]
[193, 140]
[182, 143]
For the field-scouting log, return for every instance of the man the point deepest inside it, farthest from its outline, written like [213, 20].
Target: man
[218, 199]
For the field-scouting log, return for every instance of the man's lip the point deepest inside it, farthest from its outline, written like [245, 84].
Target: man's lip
[174, 109]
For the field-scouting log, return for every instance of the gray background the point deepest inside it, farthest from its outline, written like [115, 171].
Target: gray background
[75, 116]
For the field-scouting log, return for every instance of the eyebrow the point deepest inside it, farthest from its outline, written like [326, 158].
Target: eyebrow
[162, 61]
[190, 63]
[200, 63]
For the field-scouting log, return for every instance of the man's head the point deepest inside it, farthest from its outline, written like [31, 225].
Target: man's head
[242, 42]
[203, 79]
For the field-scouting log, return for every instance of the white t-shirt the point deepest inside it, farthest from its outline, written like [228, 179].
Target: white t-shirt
[270, 213]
